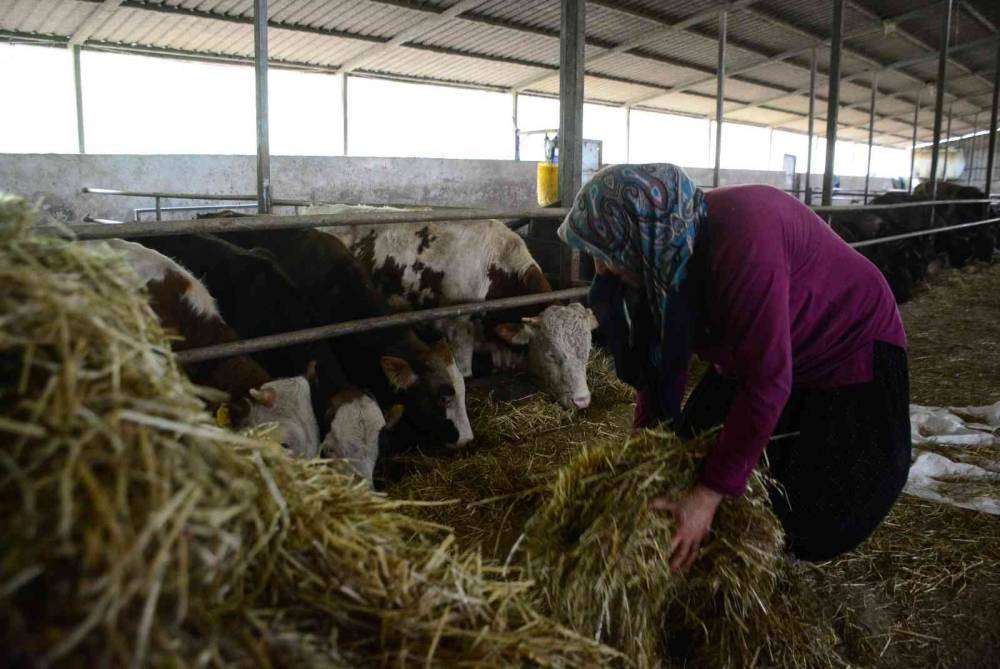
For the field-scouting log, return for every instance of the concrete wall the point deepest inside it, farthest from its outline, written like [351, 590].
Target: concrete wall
[58, 178]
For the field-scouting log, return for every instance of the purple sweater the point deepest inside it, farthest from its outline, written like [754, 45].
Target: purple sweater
[789, 303]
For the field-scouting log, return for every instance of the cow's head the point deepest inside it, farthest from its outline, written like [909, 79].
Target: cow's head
[558, 349]
[287, 402]
[432, 392]
[461, 336]
[356, 426]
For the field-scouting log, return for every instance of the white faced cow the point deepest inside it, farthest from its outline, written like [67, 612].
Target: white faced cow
[184, 306]
[430, 264]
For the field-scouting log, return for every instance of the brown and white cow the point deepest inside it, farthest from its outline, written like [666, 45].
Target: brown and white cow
[185, 307]
[430, 264]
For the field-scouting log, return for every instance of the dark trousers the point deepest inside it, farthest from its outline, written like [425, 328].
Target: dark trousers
[840, 476]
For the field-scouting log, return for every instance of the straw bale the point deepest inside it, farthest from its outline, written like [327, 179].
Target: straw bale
[137, 533]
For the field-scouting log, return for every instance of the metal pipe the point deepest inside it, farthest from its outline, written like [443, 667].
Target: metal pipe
[517, 134]
[932, 231]
[812, 122]
[833, 98]
[572, 35]
[991, 151]
[939, 93]
[871, 136]
[343, 110]
[139, 211]
[260, 89]
[156, 208]
[628, 133]
[78, 91]
[269, 342]
[913, 145]
[947, 139]
[271, 222]
[720, 88]
[256, 344]
[972, 151]
[902, 205]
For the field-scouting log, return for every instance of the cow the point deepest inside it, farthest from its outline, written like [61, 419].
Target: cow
[431, 264]
[186, 308]
[257, 299]
[961, 246]
[393, 364]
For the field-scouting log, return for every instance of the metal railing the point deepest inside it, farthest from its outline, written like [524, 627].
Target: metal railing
[102, 230]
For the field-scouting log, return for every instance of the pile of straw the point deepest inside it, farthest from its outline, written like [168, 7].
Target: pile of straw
[136, 532]
[602, 558]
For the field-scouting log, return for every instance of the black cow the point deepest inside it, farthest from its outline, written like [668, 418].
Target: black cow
[256, 298]
[392, 363]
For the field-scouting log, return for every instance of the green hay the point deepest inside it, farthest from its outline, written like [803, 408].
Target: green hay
[602, 558]
[137, 533]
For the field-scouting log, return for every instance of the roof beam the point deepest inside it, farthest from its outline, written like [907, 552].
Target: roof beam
[817, 41]
[646, 36]
[913, 39]
[416, 31]
[93, 23]
[204, 14]
[870, 72]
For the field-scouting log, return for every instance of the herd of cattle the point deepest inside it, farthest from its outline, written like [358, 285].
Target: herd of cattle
[353, 397]
[359, 397]
[908, 261]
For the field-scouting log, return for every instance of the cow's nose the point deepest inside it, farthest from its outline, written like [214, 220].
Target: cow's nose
[462, 442]
[581, 401]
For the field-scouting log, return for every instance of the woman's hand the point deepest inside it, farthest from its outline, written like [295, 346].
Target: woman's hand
[694, 513]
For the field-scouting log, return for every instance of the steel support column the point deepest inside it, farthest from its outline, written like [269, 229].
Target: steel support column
[571, 60]
[939, 93]
[514, 122]
[812, 122]
[913, 145]
[628, 133]
[972, 151]
[833, 99]
[260, 78]
[871, 136]
[720, 88]
[947, 140]
[991, 151]
[344, 116]
[78, 92]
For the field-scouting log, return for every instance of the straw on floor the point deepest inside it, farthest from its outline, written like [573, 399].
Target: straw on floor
[137, 533]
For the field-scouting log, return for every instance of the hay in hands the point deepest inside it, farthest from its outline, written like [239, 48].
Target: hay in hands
[135, 532]
[602, 558]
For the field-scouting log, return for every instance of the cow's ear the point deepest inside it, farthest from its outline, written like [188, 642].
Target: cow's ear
[263, 396]
[592, 320]
[393, 416]
[514, 333]
[399, 372]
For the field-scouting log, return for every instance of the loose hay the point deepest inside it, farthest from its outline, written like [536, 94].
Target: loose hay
[137, 533]
[602, 558]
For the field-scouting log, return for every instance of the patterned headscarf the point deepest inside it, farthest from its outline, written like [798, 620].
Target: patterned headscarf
[645, 219]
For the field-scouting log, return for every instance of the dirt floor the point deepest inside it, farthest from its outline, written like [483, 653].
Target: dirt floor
[923, 591]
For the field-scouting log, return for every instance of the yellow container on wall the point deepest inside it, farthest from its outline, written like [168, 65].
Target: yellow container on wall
[548, 184]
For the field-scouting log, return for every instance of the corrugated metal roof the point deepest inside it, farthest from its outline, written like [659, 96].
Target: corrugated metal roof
[502, 44]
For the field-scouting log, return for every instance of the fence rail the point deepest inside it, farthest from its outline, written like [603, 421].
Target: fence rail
[105, 229]
[271, 222]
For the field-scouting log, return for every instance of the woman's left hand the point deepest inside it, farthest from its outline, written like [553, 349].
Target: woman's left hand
[694, 513]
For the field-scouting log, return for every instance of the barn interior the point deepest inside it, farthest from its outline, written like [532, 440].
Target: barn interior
[879, 74]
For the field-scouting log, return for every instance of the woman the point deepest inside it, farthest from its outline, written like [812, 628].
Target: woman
[807, 348]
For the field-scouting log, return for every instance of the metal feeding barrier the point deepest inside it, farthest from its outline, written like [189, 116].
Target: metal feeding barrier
[104, 229]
